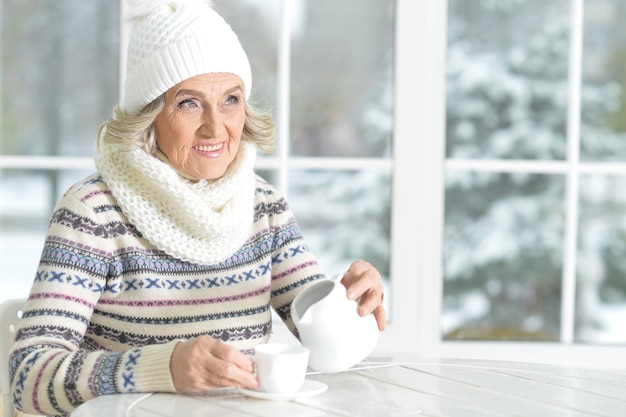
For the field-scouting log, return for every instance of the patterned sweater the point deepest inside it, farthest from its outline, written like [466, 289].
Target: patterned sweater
[106, 307]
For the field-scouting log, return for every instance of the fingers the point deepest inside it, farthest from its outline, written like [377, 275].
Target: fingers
[363, 283]
[360, 278]
[229, 355]
[226, 366]
[381, 317]
[372, 303]
[204, 363]
[369, 302]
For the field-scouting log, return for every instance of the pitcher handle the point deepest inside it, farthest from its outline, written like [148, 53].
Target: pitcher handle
[337, 277]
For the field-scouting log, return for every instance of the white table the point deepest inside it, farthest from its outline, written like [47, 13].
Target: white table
[425, 387]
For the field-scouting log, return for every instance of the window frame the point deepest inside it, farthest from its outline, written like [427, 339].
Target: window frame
[418, 167]
[428, 110]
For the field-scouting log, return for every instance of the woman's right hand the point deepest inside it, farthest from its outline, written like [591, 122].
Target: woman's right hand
[204, 363]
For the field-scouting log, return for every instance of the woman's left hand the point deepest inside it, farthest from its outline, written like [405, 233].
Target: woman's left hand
[363, 283]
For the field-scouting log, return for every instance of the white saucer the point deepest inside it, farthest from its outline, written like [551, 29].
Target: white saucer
[308, 389]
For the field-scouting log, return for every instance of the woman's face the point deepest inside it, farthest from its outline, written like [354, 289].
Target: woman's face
[200, 126]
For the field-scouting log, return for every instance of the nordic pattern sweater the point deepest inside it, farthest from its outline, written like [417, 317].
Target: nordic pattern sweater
[106, 307]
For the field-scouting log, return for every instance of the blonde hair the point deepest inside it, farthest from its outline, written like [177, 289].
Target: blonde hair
[137, 131]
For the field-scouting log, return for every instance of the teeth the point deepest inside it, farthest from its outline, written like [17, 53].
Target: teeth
[209, 148]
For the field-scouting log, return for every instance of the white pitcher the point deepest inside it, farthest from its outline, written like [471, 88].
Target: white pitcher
[330, 326]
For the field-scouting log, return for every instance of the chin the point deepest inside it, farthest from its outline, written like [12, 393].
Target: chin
[213, 175]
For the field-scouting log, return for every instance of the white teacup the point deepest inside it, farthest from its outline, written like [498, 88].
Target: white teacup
[281, 367]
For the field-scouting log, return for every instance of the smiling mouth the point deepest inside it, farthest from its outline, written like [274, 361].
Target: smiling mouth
[209, 148]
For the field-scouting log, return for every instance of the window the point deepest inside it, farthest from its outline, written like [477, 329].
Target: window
[329, 84]
[473, 150]
[59, 80]
[507, 101]
[529, 141]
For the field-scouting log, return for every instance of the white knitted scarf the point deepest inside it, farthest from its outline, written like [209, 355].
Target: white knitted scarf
[202, 222]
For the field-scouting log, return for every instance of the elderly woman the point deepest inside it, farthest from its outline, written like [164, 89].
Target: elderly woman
[159, 271]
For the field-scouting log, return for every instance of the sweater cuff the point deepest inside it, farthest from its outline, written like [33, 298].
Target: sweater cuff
[152, 373]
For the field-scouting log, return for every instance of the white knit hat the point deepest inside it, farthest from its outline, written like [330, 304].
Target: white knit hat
[173, 40]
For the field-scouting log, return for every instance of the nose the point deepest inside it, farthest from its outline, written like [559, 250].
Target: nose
[212, 123]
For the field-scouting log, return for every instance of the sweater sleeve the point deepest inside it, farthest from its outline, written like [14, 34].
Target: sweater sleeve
[294, 266]
[52, 370]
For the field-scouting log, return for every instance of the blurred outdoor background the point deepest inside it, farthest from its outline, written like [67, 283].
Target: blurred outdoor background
[508, 92]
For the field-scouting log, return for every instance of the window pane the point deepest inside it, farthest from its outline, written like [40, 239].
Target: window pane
[59, 74]
[603, 111]
[341, 87]
[344, 216]
[507, 79]
[28, 198]
[503, 256]
[601, 301]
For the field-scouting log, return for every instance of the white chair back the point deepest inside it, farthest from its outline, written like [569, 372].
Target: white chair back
[10, 313]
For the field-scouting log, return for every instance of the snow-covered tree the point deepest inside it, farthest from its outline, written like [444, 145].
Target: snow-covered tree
[508, 99]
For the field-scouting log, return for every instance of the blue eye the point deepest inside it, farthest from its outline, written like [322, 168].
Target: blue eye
[187, 103]
[232, 99]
